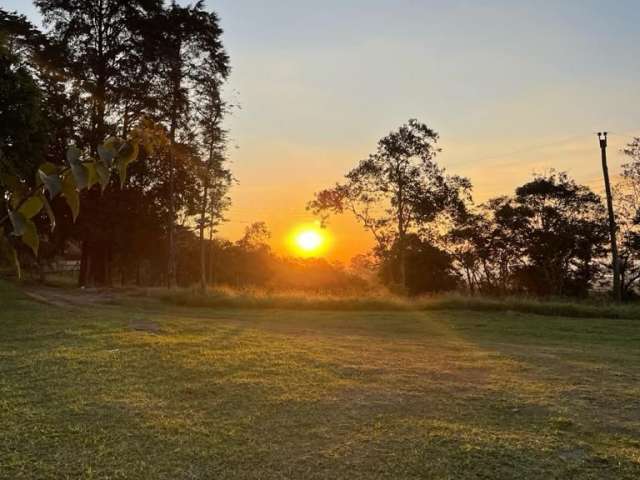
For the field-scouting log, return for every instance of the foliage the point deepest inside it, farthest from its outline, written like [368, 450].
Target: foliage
[397, 190]
[627, 197]
[429, 269]
[127, 63]
[23, 125]
[28, 199]
[545, 240]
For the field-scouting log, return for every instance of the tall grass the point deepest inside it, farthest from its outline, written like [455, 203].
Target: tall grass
[380, 301]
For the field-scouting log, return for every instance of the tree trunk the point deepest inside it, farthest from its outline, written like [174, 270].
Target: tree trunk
[401, 234]
[176, 80]
[211, 277]
[203, 216]
[84, 264]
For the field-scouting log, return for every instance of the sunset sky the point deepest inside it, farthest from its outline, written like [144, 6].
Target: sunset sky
[512, 88]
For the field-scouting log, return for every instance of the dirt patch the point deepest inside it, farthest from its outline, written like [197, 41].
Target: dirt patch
[70, 298]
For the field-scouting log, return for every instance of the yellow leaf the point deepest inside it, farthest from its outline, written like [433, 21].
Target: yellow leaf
[70, 194]
[31, 207]
[30, 236]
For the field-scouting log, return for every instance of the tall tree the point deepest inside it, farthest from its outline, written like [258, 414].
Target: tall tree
[547, 239]
[101, 41]
[23, 124]
[628, 214]
[214, 176]
[188, 37]
[398, 190]
[100, 37]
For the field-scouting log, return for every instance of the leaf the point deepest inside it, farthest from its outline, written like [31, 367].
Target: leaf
[92, 174]
[16, 198]
[31, 207]
[49, 210]
[51, 182]
[19, 223]
[30, 237]
[70, 194]
[128, 152]
[122, 171]
[103, 174]
[73, 155]
[12, 184]
[81, 175]
[114, 143]
[106, 155]
[48, 168]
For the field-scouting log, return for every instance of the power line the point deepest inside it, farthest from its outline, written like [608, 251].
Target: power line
[531, 148]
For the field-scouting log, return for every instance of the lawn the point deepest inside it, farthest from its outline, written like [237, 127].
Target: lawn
[140, 389]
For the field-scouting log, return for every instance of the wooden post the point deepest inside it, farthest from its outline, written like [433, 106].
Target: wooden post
[617, 292]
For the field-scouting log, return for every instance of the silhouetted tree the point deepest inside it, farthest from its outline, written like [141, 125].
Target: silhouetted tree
[428, 269]
[628, 219]
[101, 40]
[546, 239]
[397, 190]
[188, 42]
[23, 125]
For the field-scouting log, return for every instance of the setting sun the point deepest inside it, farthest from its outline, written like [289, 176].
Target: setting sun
[308, 241]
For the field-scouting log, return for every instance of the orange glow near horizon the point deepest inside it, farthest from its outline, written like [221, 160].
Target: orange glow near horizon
[309, 241]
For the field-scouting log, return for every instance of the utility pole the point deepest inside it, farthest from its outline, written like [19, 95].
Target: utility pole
[617, 292]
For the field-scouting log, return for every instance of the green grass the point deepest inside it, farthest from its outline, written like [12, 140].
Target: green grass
[382, 301]
[86, 392]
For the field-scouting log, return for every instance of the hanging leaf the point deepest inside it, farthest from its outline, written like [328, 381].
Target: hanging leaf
[106, 154]
[51, 182]
[7, 250]
[15, 187]
[122, 171]
[81, 175]
[103, 174]
[30, 237]
[16, 198]
[128, 152]
[70, 194]
[49, 210]
[73, 155]
[92, 178]
[31, 207]
[19, 223]
[48, 168]
[114, 143]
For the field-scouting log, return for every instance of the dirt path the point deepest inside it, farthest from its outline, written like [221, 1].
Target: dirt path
[69, 297]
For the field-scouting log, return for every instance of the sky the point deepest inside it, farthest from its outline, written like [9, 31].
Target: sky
[512, 87]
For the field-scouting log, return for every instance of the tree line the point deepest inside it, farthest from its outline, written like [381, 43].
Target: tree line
[107, 76]
[548, 238]
[109, 69]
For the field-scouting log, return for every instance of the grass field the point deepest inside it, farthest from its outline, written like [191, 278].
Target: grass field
[146, 390]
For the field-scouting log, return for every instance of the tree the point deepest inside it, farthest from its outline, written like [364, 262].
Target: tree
[214, 176]
[187, 38]
[396, 191]
[99, 36]
[428, 270]
[547, 239]
[23, 125]
[628, 202]
[101, 41]
[564, 234]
